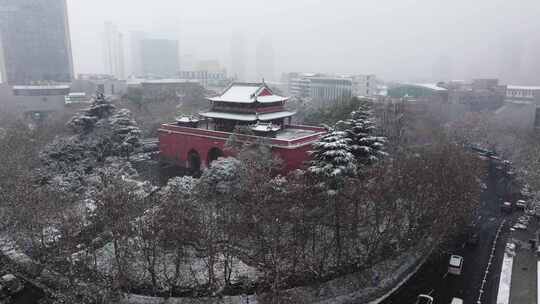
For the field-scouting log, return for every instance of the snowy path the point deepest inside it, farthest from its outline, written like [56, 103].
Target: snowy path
[390, 292]
[503, 296]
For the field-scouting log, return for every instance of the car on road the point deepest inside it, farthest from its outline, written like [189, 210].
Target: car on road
[456, 301]
[507, 207]
[424, 299]
[519, 226]
[455, 265]
[521, 204]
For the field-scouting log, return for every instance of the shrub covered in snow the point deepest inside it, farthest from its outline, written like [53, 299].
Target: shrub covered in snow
[360, 128]
[332, 157]
[103, 136]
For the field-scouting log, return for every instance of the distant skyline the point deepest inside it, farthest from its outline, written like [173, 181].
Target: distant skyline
[395, 39]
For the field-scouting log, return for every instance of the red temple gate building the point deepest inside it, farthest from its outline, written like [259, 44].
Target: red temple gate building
[194, 143]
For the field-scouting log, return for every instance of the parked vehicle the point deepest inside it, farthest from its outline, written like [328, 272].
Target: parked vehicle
[521, 205]
[456, 301]
[524, 219]
[455, 265]
[424, 299]
[520, 226]
[507, 207]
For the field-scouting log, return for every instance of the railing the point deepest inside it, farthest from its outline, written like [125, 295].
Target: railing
[303, 127]
[170, 129]
[247, 110]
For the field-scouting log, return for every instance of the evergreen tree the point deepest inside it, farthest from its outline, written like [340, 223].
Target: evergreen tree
[332, 157]
[360, 128]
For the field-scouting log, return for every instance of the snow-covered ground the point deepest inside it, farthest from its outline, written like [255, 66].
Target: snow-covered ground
[193, 270]
[348, 289]
[538, 282]
[242, 299]
[503, 295]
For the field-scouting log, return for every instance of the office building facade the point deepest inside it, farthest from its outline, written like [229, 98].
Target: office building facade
[159, 58]
[35, 42]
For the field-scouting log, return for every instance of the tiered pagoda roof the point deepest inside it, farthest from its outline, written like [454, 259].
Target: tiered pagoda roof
[248, 102]
[242, 92]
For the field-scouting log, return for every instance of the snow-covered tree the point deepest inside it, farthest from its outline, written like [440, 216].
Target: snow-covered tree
[360, 129]
[331, 156]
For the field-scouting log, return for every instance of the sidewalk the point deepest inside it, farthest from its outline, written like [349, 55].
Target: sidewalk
[520, 268]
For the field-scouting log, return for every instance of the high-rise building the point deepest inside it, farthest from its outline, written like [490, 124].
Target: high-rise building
[238, 57]
[264, 58]
[35, 42]
[159, 57]
[135, 53]
[113, 48]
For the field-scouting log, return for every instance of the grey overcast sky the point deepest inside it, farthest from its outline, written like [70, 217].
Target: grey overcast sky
[396, 39]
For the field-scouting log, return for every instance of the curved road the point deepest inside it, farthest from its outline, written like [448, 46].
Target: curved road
[433, 279]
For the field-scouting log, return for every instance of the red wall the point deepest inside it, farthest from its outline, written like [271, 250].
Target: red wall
[175, 146]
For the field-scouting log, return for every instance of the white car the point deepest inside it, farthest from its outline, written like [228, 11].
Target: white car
[424, 299]
[520, 226]
[455, 265]
[456, 301]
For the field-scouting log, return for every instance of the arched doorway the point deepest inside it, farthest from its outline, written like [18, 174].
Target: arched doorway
[213, 155]
[194, 161]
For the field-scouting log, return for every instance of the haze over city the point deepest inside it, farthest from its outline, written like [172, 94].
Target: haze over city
[269, 152]
[404, 39]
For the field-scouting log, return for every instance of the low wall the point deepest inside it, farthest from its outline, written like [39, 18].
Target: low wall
[348, 289]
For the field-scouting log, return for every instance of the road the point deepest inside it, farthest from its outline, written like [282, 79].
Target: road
[433, 279]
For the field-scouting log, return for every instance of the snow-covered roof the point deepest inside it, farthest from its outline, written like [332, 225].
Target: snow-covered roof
[247, 117]
[231, 116]
[248, 93]
[271, 98]
[185, 119]
[516, 87]
[431, 86]
[265, 127]
[290, 134]
[41, 87]
[77, 94]
[169, 81]
[518, 102]
[276, 115]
